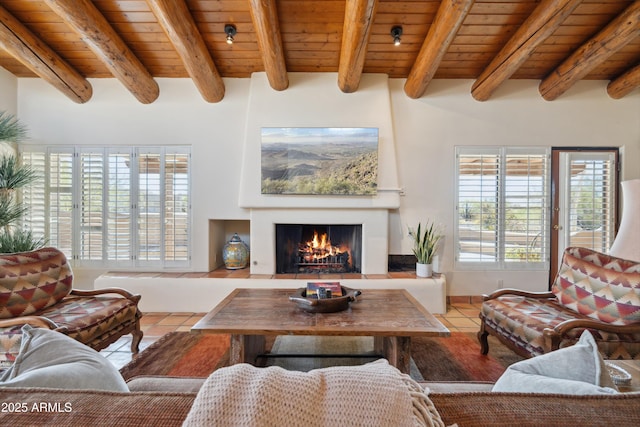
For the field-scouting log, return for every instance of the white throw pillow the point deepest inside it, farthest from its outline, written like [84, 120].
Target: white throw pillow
[578, 369]
[49, 359]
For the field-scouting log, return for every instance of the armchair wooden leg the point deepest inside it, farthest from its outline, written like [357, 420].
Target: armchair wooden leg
[137, 337]
[484, 342]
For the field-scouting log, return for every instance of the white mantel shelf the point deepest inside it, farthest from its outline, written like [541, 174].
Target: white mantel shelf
[200, 292]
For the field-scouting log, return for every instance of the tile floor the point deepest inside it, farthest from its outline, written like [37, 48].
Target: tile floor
[461, 316]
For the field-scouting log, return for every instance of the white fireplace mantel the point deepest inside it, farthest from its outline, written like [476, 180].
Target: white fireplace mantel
[316, 101]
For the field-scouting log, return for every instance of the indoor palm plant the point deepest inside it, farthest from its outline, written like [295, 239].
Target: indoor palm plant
[425, 245]
[14, 175]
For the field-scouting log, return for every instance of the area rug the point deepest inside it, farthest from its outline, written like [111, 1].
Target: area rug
[456, 358]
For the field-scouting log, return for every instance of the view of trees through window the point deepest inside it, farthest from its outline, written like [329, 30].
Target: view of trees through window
[503, 206]
[590, 216]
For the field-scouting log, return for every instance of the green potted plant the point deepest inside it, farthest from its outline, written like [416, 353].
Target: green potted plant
[425, 245]
[14, 175]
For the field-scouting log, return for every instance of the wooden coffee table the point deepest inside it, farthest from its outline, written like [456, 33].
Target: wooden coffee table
[391, 316]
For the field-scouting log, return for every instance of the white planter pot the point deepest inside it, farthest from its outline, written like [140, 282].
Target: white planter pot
[424, 270]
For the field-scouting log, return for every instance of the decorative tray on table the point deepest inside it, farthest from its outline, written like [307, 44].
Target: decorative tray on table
[324, 305]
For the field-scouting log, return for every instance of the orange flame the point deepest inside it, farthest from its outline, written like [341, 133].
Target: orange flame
[320, 247]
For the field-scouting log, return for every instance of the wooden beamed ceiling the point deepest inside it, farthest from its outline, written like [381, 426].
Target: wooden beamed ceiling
[558, 42]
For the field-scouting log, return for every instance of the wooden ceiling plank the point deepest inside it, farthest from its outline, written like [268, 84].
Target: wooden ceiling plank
[177, 22]
[448, 20]
[625, 84]
[358, 19]
[620, 31]
[32, 52]
[265, 20]
[542, 22]
[85, 19]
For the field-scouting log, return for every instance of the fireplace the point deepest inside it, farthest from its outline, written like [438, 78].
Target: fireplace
[321, 249]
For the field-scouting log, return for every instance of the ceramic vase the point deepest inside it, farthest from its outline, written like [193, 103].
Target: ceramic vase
[235, 253]
[424, 270]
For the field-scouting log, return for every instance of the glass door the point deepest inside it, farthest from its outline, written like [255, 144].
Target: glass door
[585, 200]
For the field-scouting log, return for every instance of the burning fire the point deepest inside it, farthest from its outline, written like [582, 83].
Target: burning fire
[319, 248]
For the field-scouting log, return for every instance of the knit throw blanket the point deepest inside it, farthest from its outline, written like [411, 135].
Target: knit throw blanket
[375, 394]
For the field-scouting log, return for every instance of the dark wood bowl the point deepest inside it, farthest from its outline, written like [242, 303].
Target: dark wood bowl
[325, 305]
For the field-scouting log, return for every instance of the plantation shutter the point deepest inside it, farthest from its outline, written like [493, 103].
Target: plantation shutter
[116, 206]
[502, 204]
[60, 192]
[91, 208]
[526, 205]
[478, 202]
[118, 216]
[590, 221]
[33, 196]
[150, 207]
[176, 206]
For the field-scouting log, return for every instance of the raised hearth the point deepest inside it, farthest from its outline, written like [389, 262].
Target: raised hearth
[199, 292]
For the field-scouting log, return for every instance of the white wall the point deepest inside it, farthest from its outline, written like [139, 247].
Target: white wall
[426, 133]
[8, 92]
[428, 130]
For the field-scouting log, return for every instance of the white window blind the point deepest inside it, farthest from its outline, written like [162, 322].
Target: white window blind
[91, 208]
[59, 219]
[177, 203]
[502, 205]
[34, 197]
[590, 217]
[150, 205]
[113, 206]
[119, 225]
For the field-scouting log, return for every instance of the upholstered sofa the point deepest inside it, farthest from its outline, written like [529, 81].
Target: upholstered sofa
[36, 289]
[591, 291]
[56, 380]
[167, 402]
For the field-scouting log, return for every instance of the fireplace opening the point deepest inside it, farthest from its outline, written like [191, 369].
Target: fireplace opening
[321, 249]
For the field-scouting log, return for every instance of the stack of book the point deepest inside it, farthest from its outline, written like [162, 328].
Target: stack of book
[322, 290]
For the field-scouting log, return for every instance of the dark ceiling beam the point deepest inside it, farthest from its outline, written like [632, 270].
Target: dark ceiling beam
[358, 18]
[620, 31]
[624, 84]
[87, 21]
[543, 21]
[34, 54]
[442, 31]
[178, 24]
[265, 21]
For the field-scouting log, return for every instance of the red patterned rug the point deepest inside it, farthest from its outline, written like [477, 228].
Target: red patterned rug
[456, 358]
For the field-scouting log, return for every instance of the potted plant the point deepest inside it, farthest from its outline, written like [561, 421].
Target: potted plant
[14, 175]
[425, 245]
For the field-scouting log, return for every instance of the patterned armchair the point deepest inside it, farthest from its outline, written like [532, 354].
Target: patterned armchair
[591, 291]
[36, 288]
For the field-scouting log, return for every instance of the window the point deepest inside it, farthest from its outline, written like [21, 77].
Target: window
[502, 205]
[112, 207]
[588, 208]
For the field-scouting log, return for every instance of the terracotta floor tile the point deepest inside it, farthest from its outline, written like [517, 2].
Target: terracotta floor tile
[454, 313]
[469, 312]
[462, 322]
[175, 320]
[260, 276]
[158, 331]
[152, 319]
[193, 319]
